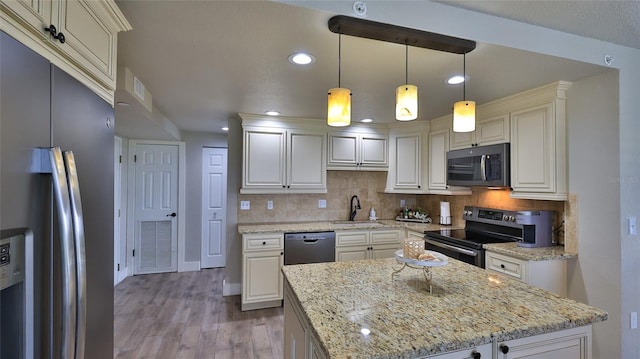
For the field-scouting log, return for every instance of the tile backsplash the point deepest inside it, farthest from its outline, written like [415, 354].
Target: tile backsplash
[341, 185]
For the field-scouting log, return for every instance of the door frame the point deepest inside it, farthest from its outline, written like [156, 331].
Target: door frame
[131, 178]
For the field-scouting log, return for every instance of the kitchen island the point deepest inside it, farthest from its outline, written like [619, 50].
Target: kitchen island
[356, 310]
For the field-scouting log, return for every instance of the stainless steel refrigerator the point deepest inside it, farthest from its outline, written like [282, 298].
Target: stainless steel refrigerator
[42, 107]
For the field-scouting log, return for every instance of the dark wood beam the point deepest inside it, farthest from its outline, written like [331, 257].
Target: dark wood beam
[400, 35]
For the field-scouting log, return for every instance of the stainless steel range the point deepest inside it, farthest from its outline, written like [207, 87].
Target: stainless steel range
[483, 225]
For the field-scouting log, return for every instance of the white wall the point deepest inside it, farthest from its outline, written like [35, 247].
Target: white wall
[194, 142]
[439, 18]
[593, 135]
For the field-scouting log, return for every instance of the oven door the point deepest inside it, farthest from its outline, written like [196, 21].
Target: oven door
[472, 256]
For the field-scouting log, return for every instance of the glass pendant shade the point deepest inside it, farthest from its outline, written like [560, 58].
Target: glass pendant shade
[406, 103]
[464, 116]
[339, 107]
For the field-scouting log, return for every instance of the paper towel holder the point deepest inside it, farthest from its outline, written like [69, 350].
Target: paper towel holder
[445, 220]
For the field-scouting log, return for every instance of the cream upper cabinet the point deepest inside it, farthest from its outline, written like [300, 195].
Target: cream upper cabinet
[538, 144]
[85, 40]
[408, 159]
[279, 160]
[439, 137]
[358, 151]
[488, 131]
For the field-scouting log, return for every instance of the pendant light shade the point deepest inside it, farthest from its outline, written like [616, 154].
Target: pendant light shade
[339, 100]
[406, 96]
[339, 107]
[464, 116]
[464, 112]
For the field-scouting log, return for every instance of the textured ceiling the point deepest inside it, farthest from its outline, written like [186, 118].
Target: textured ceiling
[205, 61]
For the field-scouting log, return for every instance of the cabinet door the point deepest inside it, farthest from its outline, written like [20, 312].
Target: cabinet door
[567, 344]
[462, 139]
[512, 267]
[438, 147]
[295, 332]
[343, 149]
[485, 351]
[532, 153]
[385, 237]
[415, 235]
[89, 41]
[264, 159]
[383, 251]
[407, 161]
[307, 160]
[492, 130]
[351, 238]
[344, 254]
[373, 150]
[262, 277]
[34, 13]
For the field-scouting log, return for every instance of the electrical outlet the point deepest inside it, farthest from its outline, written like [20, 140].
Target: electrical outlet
[403, 203]
[245, 205]
[632, 226]
[269, 204]
[634, 320]
[322, 203]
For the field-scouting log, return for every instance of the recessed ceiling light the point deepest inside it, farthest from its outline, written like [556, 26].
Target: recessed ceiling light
[455, 80]
[366, 120]
[225, 129]
[301, 58]
[272, 113]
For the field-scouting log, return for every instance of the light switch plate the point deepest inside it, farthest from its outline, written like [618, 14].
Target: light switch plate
[269, 204]
[245, 205]
[403, 203]
[634, 320]
[632, 226]
[322, 203]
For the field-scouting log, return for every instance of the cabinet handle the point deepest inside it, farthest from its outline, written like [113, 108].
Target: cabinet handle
[476, 355]
[54, 33]
[264, 243]
[281, 253]
[504, 349]
[283, 186]
[502, 266]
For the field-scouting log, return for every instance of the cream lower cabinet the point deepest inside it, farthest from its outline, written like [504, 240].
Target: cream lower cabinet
[549, 275]
[262, 261]
[374, 244]
[299, 340]
[480, 352]
[89, 29]
[572, 343]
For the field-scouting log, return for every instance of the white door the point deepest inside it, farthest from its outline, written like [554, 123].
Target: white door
[214, 207]
[119, 241]
[156, 207]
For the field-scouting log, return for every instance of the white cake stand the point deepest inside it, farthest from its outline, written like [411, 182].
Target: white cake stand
[425, 266]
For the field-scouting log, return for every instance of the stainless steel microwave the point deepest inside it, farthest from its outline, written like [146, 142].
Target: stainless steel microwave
[486, 166]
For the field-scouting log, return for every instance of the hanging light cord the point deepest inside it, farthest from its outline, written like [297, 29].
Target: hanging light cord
[406, 63]
[339, 54]
[464, 77]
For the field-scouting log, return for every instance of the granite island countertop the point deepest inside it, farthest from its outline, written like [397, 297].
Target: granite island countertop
[321, 226]
[469, 307]
[530, 254]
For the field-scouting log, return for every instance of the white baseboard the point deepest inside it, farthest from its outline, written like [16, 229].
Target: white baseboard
[231, 289]
[190, 267]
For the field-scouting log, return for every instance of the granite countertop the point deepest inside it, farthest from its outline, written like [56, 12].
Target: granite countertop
[469, 307]
[530, 254]
[335, 226]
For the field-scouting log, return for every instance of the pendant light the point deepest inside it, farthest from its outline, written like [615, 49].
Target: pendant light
[406, 95]
[339, 100]
[464, 112]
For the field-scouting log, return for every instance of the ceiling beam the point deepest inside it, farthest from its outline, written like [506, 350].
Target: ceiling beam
[346, 25]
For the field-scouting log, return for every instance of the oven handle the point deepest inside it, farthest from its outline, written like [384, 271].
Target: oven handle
[452, 248]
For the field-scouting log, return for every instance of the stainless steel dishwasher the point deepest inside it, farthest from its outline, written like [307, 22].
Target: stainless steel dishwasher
[309, 247]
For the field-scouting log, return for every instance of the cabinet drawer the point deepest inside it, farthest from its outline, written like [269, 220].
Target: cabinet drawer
[260, 242]
[506, 265]
[350, 238]
[384, 237]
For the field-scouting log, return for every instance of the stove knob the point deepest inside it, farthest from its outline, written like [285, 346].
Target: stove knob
[505, 217]
[512, 218]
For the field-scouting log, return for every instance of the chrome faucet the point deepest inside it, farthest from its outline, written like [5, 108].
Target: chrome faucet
[354, 209]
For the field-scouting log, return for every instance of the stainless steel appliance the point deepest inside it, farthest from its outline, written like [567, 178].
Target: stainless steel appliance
[483, 225]
[487, 166]
[309, 247]
[537, 228]
[42, 107]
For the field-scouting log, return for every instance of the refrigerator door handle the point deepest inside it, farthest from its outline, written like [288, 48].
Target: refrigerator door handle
[67, 253]
[78, 230]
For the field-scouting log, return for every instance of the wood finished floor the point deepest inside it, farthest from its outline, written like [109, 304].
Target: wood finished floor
[184, 315]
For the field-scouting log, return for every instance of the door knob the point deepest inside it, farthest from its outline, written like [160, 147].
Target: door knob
[172, 214]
